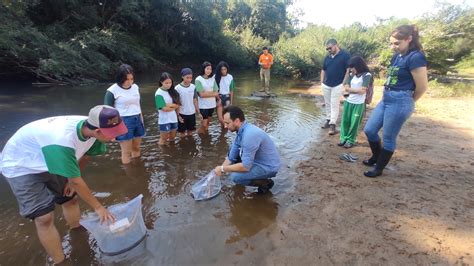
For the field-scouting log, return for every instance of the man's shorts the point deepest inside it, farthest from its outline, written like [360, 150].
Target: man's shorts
[206, 113]
[168, 127]
[135, 127]
[37, 194]
[188, 124]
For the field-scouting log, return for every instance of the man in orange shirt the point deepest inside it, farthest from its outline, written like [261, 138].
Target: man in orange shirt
[265, 61]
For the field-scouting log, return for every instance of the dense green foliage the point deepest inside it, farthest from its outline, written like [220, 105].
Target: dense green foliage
[446, 35]
[72, 40]
[80, 40]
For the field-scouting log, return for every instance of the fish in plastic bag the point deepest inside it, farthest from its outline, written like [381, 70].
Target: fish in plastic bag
[207, 188]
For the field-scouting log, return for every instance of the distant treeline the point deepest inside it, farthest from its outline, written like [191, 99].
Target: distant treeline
[81, 40]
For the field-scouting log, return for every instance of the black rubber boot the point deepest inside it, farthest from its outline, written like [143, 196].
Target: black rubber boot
[264, 185]
[375, 147]
[382, 161]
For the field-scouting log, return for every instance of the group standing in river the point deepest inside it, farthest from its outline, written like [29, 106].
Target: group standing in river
[43, 160]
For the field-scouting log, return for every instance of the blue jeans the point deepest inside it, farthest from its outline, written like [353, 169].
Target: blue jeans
[391, 112]
[256, 172]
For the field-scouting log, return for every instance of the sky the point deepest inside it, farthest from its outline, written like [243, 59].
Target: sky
[339, 13]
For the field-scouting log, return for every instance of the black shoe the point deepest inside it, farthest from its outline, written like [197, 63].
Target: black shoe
[375, 147]
[382, 161]
[342, 143]
[326, 124]
[265, 188]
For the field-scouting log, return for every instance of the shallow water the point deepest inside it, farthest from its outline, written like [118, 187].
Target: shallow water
[230, 228]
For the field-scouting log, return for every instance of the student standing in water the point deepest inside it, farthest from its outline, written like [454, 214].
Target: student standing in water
[225, 82]
[167, 102]
[124, 95]
[189, 104]
[208, 95]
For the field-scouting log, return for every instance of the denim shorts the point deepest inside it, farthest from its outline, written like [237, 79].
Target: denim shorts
[168, 127]
[135, 127]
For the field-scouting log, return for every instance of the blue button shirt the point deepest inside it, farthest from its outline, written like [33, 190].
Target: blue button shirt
[335, 68]
[399, 72]
[253, 146]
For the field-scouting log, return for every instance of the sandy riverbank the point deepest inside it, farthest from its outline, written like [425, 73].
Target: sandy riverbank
[421, 211]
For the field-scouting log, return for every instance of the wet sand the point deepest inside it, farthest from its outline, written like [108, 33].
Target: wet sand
[421, 211]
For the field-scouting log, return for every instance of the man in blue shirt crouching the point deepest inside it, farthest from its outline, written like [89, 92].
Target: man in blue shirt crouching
[253, 158]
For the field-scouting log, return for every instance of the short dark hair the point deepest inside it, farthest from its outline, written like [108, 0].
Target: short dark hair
[203, 67]
[234, 112]
[359, 64]
[122, 73]
[265, 48]
[331, 42]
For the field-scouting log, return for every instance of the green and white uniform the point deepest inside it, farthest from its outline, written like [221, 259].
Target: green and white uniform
[162, 98]
[206, 85]
[226, 85]
[51, 145]
[354, 108]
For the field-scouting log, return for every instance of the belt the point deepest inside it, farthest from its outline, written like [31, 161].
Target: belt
[393, 89]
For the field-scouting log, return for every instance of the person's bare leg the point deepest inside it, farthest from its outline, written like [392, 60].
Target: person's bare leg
[163, 138]
[72, 213]
[220, 116]
[172, 135]
[126, 147]
[136, 142]
[49, 237]
[202, 129]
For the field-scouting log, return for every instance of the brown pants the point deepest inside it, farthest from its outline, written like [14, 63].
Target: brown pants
[265, 78]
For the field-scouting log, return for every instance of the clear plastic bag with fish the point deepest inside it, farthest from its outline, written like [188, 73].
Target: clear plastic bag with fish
[125, 233]
[207, 188]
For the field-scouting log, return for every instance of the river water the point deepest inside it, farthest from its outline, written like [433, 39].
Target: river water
[229, 229]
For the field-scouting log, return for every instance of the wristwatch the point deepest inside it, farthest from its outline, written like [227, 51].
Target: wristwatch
[222, 169]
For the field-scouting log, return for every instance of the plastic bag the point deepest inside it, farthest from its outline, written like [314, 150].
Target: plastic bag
[207, 188]
[124, 234]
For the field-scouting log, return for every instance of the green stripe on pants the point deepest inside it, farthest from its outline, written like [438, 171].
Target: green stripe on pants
[351, 120]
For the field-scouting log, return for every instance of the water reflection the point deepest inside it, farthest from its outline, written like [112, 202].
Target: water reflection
[249, 213]
[182, 231]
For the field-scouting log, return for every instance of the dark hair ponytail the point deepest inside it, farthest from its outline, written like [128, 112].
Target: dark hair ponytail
[218, 74]
[173, 93]
[403, 32]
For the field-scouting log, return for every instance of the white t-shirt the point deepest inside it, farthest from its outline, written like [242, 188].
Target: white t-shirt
[186, 95]
[162, 98]
[357, 83]
[127, 101]
[53, 145]
[226, 85]
[206, 85]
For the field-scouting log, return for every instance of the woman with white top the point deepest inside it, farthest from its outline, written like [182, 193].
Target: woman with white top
[354, 106]
[225, 82]
[124, 95]
[167, 102]
[188, 104]
[207, 91]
